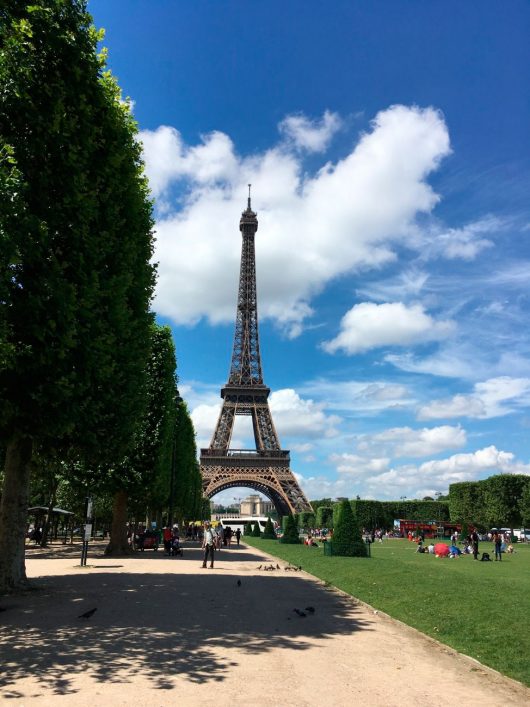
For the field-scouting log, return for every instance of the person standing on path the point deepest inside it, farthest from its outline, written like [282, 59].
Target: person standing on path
[208, 544]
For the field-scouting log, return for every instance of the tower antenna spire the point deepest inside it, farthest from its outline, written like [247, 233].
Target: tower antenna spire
[249, 197]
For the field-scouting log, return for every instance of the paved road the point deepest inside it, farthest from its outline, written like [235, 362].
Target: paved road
[167, 632]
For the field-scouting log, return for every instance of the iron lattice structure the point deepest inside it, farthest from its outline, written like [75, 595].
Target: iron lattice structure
[267, 467]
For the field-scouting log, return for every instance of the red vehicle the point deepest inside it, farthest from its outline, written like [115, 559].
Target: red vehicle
[430, 528]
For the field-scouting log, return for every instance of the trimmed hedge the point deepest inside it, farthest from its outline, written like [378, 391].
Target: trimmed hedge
[268, 533]
[290, 531]
[347, 540]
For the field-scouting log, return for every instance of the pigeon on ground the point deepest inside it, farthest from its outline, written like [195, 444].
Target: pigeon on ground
[299, 568]
[300, 613]
[277, 567]
[238, 582]
[310, 609]
[259, 567]
[87, 614]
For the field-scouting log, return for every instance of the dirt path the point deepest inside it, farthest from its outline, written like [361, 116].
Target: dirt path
[167, 632]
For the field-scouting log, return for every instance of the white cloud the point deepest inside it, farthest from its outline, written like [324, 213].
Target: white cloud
[316, 487]
[439, 474]
[492, 398]
[359, 396]
[167, 158]
[312, 228]
[310, 135]
[368, 325]
[450, 362]
[463, 243]
[407, 442]
[466, 243]
[359, 466]
[296, 417]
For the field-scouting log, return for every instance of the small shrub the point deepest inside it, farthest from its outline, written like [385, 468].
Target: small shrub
[256, 532]
[347, 540]
[248, 529]
[290, 531]
[269, 533]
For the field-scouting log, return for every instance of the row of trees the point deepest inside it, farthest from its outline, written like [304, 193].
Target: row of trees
[88, 391]
[502, 500]
[374, 514]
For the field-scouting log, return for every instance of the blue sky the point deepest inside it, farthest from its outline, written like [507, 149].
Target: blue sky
[388, 146]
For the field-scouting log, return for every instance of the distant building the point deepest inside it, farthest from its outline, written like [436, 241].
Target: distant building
[254, 505]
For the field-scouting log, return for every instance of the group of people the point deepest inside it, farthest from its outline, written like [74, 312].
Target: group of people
[214, 539]
[470, 546]
[171, 540]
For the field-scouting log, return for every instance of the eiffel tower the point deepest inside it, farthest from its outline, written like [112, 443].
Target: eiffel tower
[266, 468]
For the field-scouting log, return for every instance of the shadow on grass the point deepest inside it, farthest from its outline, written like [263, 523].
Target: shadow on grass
[159, 625]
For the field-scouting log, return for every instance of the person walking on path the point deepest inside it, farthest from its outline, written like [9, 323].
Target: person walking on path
[238, 535]
[208, 544]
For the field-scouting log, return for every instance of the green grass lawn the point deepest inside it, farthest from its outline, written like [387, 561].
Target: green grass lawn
[481, 609]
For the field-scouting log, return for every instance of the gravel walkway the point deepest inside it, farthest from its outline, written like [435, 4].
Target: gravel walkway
[167, 632]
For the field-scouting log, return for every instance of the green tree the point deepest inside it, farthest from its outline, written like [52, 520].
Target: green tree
[306, 519]
[248, 529]
[524, 506]
[466, 503]
[75, 317]
[146, 471]
[347, 540]
[315, 505]
[256, 532]
[290, 531]
[187, 475]
[324, 517]
[502, 495]
[268, 532]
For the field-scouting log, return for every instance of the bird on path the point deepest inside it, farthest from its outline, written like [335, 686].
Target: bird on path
[299, 568]
[259, 567]
[300, 613]
[310, 609]
[277, 567]
[238, 582]
[88, 614]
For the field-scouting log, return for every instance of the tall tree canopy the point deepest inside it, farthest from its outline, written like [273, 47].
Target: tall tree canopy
[187, 479]
[77, 238]
[146, 470]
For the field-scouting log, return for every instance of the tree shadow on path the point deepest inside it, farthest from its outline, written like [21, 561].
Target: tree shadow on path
[161, 625]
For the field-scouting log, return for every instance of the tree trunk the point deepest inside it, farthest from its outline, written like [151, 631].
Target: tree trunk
[13, 514]
[118, 544]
